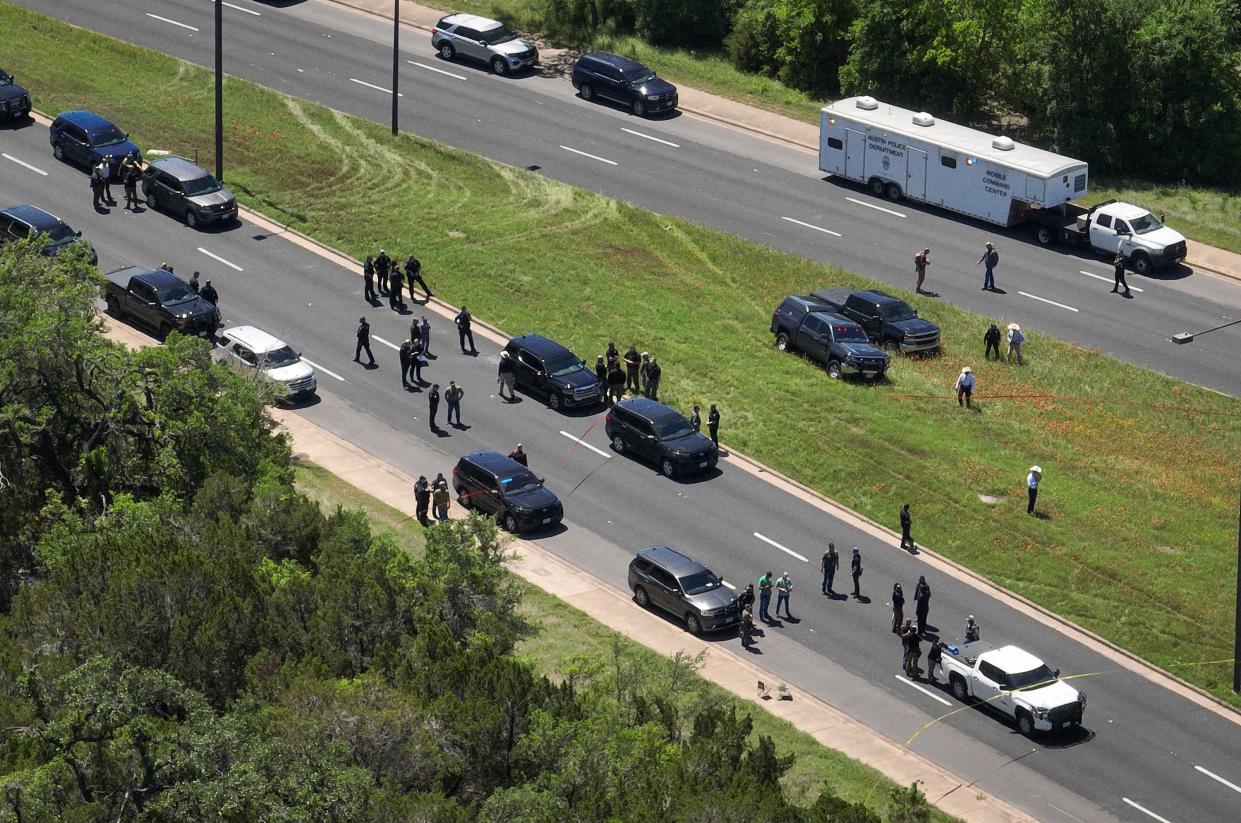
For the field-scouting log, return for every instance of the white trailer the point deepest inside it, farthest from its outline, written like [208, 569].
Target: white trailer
[903, 153]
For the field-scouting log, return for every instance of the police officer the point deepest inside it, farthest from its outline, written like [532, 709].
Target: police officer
[653, 373]
[747, 627]
[422, 499]
[406, 347]
[383, 264]
[713, 427]
[433, 404]
[394, 291]
[828, 566]
[616, 381]
[413, 273]
[463, 321]
[922, 602]
[417, 359]
[209, 294]
[1118, 274]
[368, 280]
[907, 542]
[632, 360]
[364, 339]
[856, 571]
[96, 188]
[105, 174]
[601, 372]
[130, 173]
[695, 418]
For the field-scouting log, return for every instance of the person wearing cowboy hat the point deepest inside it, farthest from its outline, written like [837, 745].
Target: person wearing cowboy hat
[965, 387]
[504, 377]
[1015, 339]
[991, 258]
[1032, 479]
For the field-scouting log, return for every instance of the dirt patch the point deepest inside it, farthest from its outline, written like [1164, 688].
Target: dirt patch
[991, 499]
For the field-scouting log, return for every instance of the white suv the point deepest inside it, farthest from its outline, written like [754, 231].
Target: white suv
[487, 41]
[250, 349]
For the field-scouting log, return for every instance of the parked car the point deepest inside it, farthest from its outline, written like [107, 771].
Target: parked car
[624, 81]
[1015, 683]
[683, 587]
[494, 484]
[806, 325]
[652, 431]
[14, 100]
[887, 320]
[19, 222]
[177, 185]
[85, 138]
[160, 300]
[253, 350]
[487, 41]
[544, 367]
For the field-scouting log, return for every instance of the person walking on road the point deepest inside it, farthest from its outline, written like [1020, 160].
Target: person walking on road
[898, 607]
[422, 499]
[406, 347]
[616, 382]
[965, 387]
[433, 404]
[424, 332]
[368, 280]
[747, 627]
[463, 321]
[364, 341]
[504, 376]
[383, 265]
[519, 454]
[784, 588]
[653, 373]
[921, 260]
[453, 398]
[1118, 274]
[856, 572]
[632, 361]
[713, 426]
[907, 542]
[764, 597]
[991, 258]
[1015, 339]
[828, 566]
[209, 294]
[413, 274]
[922, 602]
[1032, 481]
[442, 497]
[992, 339]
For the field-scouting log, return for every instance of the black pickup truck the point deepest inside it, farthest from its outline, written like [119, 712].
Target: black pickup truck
[160, 300]
[887, 320]
[806, 325]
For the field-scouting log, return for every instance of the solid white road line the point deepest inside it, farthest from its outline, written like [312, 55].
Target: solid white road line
[434, 69]
[1215, 776]
[1045, 300]
[784, 549]
[648, 137]
[385, 342]
[873, 206]
[1105, 279]
[927, 692]
[317, 367]
[24, 163]
[217, 258]
[592, 156]
[239, 8]
[173, 22]
[587, 445]
[373, 86]
[809, 226]
[1145, 810]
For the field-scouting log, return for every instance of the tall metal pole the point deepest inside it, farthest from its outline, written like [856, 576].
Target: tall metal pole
[219, 91]
[1236, 632]
[396, 55]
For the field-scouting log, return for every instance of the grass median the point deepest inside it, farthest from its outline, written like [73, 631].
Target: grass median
[1137, 536]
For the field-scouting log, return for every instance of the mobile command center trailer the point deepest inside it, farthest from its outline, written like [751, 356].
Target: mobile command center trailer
[903, 153]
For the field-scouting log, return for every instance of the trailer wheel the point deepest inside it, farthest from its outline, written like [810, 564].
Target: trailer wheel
[1045, 235]
[893, 192]
[1141, 263]
[876, 186]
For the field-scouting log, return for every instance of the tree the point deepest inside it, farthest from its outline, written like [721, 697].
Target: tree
[803, 43]
[685, 23]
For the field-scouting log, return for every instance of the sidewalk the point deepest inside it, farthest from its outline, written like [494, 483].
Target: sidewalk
[749, 118]
[612, 608]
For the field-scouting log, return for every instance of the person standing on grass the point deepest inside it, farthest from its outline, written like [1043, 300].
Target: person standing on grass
[653, 373]
[828, 566]
[433, 404]
[368, 279]
[922, 603]
[907, 542]
[616, 382]
[992, 339]
[413, 274]
[921, 261]
[992, 259]
[632, 361]
[364, 341]
[1118, 274]
[453, 398]
[898, 607]
[424, 332]
[764, 597]
[612, 354]
[784, 588]
[713, 427]
[464, 320]
[442, 497]
[601, 374]
[856, 572]
[695, 418]
[643, 369]
[1032, 481]
[422, 499]
[383, 264]
[1015, 339]
[965, 387]
[504, 376]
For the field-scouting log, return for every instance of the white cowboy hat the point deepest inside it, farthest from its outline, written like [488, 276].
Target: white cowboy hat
[1014, 327]
[966, 370]
[1036, 469]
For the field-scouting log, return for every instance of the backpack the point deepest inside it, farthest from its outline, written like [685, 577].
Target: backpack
[993, 259]
[1018, 338]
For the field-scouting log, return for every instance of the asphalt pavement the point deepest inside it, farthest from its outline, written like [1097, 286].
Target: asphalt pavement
[721, 177]
[1143, 748]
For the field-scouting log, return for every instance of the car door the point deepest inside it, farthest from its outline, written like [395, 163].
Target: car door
[1103, 233]
[486, 492]
[6, 230]
[525, 369]
[142, 304]
[814, 338]
[76, 145]
[666, 594]
[169, 193]
[644, 441]
[243, 358]
[992, 686]
[466, 41]
[612, 86]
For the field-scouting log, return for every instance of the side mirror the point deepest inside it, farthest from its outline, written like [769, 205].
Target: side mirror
[77, 233]
[1055, 672]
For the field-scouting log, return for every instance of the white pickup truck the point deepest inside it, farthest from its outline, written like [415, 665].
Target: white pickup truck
[1016, 683]
[1111, 227]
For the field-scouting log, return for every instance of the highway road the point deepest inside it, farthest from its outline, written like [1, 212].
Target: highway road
[699, 169]
[1145, 752]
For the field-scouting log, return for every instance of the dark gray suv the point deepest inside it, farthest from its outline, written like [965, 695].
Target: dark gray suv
[683, 587]
[177, 185]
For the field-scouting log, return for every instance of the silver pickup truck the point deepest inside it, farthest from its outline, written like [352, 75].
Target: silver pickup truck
[1016, 683]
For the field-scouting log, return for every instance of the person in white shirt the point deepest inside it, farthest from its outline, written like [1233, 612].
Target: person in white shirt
[965, 387]
[1032, 479]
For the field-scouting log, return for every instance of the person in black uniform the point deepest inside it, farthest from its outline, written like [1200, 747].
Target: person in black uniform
[616, 382]
[992, 339]
[209, 294]
[368, 280]
[898, 607]
[695, 418]
[422, 499]
[394, 291]
[713, 425]
[406, 346]
[130, 175]
[433, 404]
[632, 361]
[96, 188]
[907, 542]
[922, 603]
[364, 340]
[653, 373]
[383, 264]
[463, 320]
[856, 571]
[1118, 275]
[601, 372]
[413, 274]
[417, 359]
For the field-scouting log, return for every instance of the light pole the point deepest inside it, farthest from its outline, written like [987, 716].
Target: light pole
[219, 91]
[396, 56]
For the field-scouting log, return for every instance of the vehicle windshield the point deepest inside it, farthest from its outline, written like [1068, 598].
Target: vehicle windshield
[61, 233]
[568, 365]
[175, 295]
[107, 136]
[500, 34]
[638, 76]
[850, 334]
[1042, 676]
[900, 311]
[281, 357]
[673, 428]
[1145, 224]
[203, 185]
[5, 80]
[520, 484]
[700, 582]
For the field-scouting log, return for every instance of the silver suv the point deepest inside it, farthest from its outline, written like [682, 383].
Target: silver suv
[487, 41]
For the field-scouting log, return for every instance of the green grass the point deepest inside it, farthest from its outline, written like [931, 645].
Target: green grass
[564, 633]
[1141, 471]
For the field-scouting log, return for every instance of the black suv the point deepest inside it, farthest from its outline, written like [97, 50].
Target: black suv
[494, 484]
[19, 222]
[663, 577]
[662, 435]
[544, 367]
[625, 81]
[14, 100]
[176, 184]
[86, 138]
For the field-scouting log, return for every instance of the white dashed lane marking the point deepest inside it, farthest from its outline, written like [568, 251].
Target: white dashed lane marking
[1216, 777]
[873, 206]
[582, 442]
[649, 137]
[1146, 811]
[385, 342]
[220, 259]
[1105, 279]
[434, 69]
[927, 692]
[24, 164]
[241, 8]
[171, 22]
[591, 156]
[317, 367]
[811, 226]
[373, 86]
[1045, 300]
[784, 549]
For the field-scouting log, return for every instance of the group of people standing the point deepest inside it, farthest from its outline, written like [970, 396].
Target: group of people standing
[388, 273]
[640, 374]
[129, 172]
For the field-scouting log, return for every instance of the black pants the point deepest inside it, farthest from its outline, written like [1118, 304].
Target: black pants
[431, 411]
[464, 333]
[363, 344]
[423, 505]
[394, 293]
[1118, 277]
[922, 614]
[631, 378]
[652, 389]
[383, 281]
[963, 397]
[107, 192]
[97, 193]
[404, 370]
[415, 365]
[857, 579]
[454, 408]
[368, 288]
[713, 429]
[1033, 493]
[131, 196]
[417, 278]
[990, 348]
[907, 542]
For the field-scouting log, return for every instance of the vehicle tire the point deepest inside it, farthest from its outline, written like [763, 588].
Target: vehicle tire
[498, 66]
[833, 369]
[1045, 235]
[876, 186]
[639, 107]
[58, 152]
[463, 500]
[587, 91]
[191, 219]
[782, 342]
[1025, 723]
[893, 192]
[151, 200]
[667, 468]
[641, 597]
[693, 625]
[1141, 263]
[510, 523]
[618, 444]
[447, 52]
[553, 400]
[959, 691]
